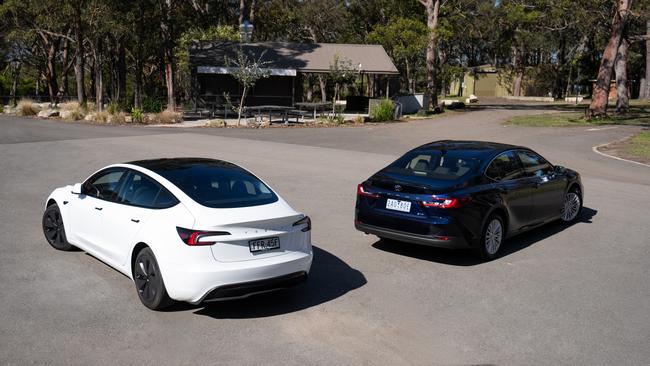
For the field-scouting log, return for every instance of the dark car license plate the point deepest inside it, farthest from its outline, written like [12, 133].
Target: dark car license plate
[262, 245]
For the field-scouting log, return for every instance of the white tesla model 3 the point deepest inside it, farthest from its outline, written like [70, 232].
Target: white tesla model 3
[185, 229]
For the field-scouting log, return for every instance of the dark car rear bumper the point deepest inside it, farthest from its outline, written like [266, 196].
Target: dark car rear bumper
[450, 242]
[246, 289]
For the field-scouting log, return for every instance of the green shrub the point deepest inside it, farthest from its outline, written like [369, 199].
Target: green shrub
[136, 115]
[113, 108]
[2, 109]
[151, 105]
[384, 111]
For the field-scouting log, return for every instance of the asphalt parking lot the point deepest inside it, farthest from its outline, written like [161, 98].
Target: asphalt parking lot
[557, 295]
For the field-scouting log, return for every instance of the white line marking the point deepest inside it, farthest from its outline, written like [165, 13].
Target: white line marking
[602, 128]
[595, 149]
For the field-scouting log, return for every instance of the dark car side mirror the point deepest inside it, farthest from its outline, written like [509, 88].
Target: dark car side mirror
[559, 169]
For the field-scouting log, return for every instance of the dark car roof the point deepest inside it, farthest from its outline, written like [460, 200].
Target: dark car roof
[484, 149]
[157, 165]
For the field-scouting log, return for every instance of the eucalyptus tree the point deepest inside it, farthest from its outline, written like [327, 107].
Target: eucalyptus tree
[40, 19]
[404, 39]
[600, 96]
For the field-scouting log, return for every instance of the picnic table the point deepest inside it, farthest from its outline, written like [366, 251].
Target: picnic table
[270, 110]
[313, 106]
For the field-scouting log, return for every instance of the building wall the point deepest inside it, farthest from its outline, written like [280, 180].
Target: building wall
[484, 84]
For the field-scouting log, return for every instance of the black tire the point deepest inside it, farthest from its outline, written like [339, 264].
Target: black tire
[149, 282]
[492, 238]
[571, 207]
[54, 230]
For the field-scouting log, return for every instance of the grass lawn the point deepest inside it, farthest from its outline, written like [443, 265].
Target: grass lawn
[639, 146]
[639, 114]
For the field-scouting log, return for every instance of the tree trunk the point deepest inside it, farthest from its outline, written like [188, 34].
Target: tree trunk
[645, 82]
[80, 60]
[63, 89]
[121, 70]
[251, 14]
[242, 9]
[622, 91]
[166, 27]
[99, 82]
[433, 9]
[137, 90]
[323, 85]
[50, 71]
[409, 82]
[519, 71]
[336, 92]
[241, 105]
[599, 99]
[14, 85]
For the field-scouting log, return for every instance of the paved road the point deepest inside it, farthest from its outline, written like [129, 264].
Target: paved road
[577, 295]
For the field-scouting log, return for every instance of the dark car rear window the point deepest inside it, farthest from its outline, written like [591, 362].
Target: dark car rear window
[219, 186]
[434, 164]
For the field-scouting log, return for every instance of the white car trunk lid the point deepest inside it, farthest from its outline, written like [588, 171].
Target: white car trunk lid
[251, 223]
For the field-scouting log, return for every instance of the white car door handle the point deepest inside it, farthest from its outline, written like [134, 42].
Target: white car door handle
[136, 221]
[99, 208]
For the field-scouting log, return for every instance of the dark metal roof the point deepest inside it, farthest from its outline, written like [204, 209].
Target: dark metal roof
[303, 57]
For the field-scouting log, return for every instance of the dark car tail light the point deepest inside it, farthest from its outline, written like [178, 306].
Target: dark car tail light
[193, 237]
[361, 191]
[445, 202]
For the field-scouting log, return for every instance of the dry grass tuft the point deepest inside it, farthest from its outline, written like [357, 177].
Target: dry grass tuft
[72, 110]
[166, 117]
[102, 117]
[27, 107]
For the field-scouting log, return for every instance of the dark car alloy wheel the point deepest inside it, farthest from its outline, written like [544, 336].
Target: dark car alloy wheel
[149, 282]
[571, 207]
[492, 238]
[53, 228]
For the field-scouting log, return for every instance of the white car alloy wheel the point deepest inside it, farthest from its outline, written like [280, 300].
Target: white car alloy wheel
[571, 207]
[493, 236]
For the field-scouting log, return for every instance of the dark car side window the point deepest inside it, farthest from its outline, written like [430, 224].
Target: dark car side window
[504, 167]
[534, 165]
[104, 185]
[143, 191]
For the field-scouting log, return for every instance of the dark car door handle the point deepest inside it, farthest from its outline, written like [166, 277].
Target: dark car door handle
[136, 221]
[502, 190]
[99, 208]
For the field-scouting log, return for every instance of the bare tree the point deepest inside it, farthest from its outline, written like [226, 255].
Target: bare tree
[247, 70]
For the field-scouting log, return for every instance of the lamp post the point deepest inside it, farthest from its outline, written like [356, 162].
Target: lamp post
[246, 31]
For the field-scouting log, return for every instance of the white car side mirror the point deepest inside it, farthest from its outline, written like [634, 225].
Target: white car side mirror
[76, 189]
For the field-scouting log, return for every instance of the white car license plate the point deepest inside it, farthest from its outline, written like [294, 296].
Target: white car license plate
[262, 245]
[404, 206]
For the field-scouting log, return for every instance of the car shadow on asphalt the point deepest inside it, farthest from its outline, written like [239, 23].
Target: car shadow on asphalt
[466, 257]
[329, 278]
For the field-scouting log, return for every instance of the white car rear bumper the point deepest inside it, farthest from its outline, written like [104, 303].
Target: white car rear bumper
[240, 279]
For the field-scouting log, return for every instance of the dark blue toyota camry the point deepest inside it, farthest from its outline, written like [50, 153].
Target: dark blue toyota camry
[466, 194]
